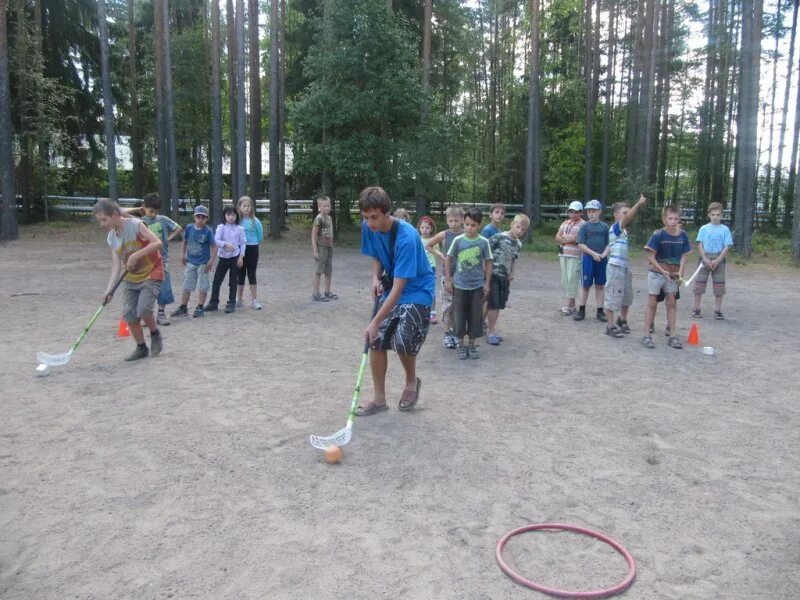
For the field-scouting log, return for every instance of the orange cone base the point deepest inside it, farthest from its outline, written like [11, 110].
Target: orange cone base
[122, 330]
[694, 335]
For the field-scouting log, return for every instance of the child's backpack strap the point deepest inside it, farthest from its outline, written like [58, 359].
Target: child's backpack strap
[392, 241]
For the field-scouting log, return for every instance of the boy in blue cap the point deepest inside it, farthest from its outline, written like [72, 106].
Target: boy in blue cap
[198, 252]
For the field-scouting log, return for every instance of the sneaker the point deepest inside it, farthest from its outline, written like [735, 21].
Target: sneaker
[140, 352]
[601, 315]
[240, 304]
[614, 331]
[162, 319]
[230, 307]
[449, 341]
[697, 314]
[718, 315]
[156, 343]
[318, 298]
[198, 311]
[568, 310]
[580, 314]
[255, 304]
[623, 326]
[181, 311]
[473, 352]
[211, 307]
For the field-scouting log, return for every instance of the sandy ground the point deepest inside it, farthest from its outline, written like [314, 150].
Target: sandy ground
[190, 475]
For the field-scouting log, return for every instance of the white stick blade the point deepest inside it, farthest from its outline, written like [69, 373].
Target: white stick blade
[339, 439]
[53, 360]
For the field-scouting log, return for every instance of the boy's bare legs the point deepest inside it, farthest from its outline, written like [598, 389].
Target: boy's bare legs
[328, 277]
[378, 363]
[136, 327]
[491, 320]
[201, 298]
[599, 295]
[718, 303]
[672, 309]
[698, 298]
[623, 314]
[185, 298]
[650, 312]
[317, 277]
[584, 296]
[410, 367]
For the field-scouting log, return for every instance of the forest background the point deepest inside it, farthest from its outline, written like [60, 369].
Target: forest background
[531, 103]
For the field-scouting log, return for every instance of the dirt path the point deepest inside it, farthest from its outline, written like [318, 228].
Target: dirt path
[190, 475]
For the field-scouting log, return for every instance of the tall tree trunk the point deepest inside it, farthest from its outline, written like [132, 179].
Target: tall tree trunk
[23, 109]
[282, 114]
[255, 99]
[216, 115]
[161, 135]
[8, 224]
[230, 18]
[768, 169]
[275, 200]
[420, 194]
[747, 126]
[169, 114]
[533, 163]
[632, 159]
[241, 115]
[612, 58]
[108, 103]
[665, 73]
[137, 156]
[589, 116]
[776, 188]
[790, 183]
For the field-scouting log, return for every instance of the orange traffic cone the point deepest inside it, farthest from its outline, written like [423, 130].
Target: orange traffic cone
[122, 330]
[694, 335]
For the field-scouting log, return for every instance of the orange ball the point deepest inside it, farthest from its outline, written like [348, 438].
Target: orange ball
[333, 454]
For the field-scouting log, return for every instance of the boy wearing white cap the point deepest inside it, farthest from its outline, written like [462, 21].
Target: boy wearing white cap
[593, 241]
[569, 255]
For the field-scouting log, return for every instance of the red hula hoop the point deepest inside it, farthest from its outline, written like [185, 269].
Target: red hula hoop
[616, 589]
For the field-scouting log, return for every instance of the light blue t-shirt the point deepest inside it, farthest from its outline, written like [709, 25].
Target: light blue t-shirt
[714, 238]
[253, 231]
[618, 240]
[410, 261]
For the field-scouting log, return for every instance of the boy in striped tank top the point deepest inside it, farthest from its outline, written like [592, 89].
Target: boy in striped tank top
[136, 250]
[455, 227]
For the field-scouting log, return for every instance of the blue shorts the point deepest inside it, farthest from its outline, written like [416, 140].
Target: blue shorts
[165, 295]
[593, 271]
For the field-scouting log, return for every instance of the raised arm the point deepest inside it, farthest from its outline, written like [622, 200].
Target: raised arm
[634, 209]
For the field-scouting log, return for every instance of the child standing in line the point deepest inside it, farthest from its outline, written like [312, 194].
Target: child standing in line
[426, 227]
[667, 251]
[593, 242]
[322, 247]
[231, 243]
[505, 249]
[455, 227]
[570, 256]
[198, 252]
[135, 249]
[468, 278]
[619, 292]
[496, 215]
[402, 213]
[714, 241]
[253, 234]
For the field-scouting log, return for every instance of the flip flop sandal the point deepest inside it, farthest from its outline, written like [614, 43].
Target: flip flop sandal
[408, 400]
[462, 352]
[623, 326]
[647, 342]
[370, 409]
[674, 342]
[331, 296]
[473, 352]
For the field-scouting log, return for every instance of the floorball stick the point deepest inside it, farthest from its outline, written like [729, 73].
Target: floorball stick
[56, 360]
[691, 279]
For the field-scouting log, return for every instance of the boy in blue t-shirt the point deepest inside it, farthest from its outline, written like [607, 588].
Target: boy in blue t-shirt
[403, 282]
[667, 251]
[593, 241]
[198, 252]
[497, 213]
[714, 241]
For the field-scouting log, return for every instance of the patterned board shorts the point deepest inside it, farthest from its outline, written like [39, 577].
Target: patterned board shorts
[404, 329]
[619, 287]
[717, 278]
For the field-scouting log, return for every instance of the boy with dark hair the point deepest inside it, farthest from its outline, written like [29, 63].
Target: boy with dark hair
[593, 242]
[497, 213]
[505, 249]
[667, 251]
[714, 241]
[468, 278]
[166, 230]
[403, 282]
[619, 282]
[198, 252]
[134, 249]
